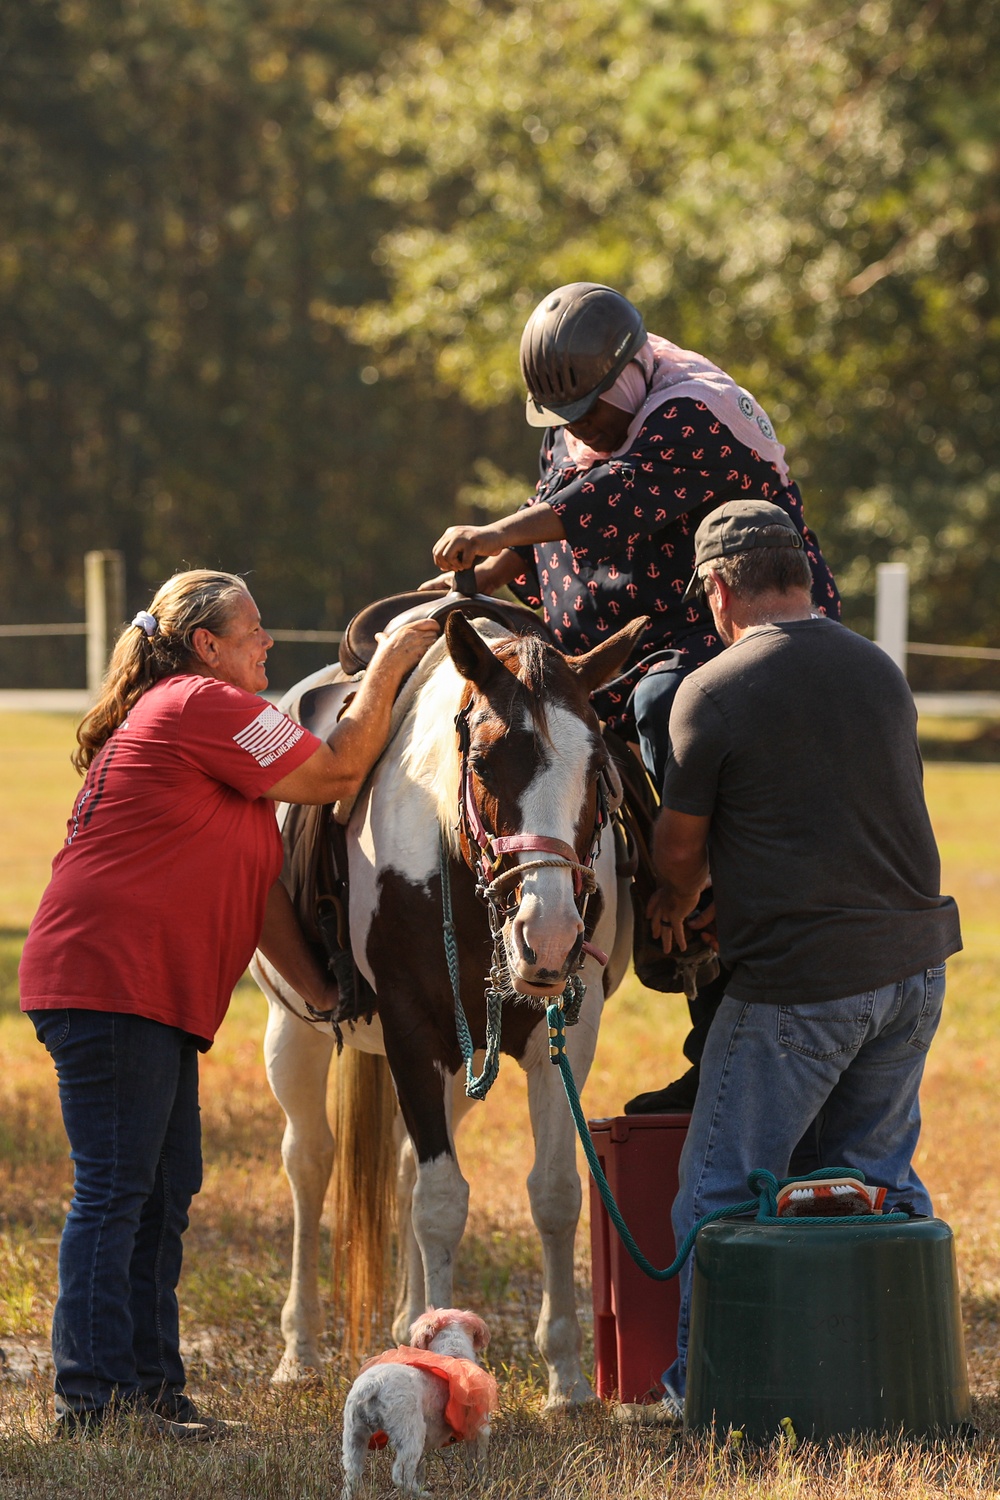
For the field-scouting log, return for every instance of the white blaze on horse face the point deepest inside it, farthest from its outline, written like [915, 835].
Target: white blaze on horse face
[547, 925]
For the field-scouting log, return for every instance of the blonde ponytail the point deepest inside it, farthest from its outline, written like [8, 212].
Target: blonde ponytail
[157, 645]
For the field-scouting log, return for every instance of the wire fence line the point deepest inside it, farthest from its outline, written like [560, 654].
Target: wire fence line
[313, 637]
[975, 653]
[7, 631]
[317, 635]
[104, 591]
[80, 628]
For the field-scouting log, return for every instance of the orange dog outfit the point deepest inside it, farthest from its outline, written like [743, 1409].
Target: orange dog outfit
[472, 1391]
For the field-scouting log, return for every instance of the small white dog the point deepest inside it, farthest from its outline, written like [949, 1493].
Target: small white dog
[426, 1394]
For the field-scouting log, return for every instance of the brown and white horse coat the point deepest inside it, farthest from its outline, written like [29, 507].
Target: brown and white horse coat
[535, 752]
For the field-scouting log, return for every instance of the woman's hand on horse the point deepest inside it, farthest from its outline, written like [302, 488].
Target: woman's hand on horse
[400, 651]
[338, 769]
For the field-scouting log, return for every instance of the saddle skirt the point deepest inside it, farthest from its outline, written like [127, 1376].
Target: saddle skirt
[472, 1391]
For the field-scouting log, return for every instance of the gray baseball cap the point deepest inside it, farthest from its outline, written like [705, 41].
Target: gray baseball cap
[739, 526]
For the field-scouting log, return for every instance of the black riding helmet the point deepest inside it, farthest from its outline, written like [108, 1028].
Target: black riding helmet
[575, 345]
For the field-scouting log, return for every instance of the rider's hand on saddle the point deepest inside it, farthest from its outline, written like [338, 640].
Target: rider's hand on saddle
[461, 546]
[437, 583]
[404, 647]
[491, 574]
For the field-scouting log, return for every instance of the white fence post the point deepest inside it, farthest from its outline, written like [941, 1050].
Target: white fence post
[104, 592]
[892, 610]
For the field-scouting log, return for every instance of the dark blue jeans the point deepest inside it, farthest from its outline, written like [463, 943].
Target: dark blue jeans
[128, 1088]
[846, 1071]
[652, 699]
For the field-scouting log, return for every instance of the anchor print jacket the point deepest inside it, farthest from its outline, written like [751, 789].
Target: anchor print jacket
[629, 547]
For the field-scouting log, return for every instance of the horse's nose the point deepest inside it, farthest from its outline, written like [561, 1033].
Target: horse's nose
[544, 938]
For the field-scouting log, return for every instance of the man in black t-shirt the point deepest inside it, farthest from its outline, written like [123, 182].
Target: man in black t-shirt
[795, 774]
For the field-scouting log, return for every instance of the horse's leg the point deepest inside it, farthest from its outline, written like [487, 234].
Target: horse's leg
[411, 1299]
[440, 1209]
[439, 1203]
[410, 1287]
[297, 1059]
[554, 1191]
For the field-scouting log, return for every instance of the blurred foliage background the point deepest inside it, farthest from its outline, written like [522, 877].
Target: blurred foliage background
[264, 266]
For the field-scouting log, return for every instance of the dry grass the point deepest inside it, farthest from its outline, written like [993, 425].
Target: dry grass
[238, 1247]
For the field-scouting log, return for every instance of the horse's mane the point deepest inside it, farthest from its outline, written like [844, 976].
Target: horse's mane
[429, 752]
[534, 663]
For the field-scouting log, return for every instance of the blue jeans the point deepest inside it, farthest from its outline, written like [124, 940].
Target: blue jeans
[652, 700]
[846, 1070]
[128, 1088]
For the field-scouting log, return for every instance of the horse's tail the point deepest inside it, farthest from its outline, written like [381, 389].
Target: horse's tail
[364, 1198]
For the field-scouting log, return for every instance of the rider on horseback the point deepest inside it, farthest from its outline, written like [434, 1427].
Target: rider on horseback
[642, 439]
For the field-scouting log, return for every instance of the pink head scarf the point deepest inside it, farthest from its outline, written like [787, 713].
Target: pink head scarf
[629, 390]
[662, 371]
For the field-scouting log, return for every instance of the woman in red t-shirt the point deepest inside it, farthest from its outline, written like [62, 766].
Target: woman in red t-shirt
[166, 883]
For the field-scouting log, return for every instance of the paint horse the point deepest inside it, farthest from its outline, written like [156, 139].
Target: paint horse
[494, 776]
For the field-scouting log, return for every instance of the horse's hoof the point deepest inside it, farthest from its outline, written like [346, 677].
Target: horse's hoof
[292, 1371]
[568, 1403]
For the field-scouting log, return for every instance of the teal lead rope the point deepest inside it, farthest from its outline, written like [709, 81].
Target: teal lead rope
[475, 1088]
[571, 998]
[763, 1184]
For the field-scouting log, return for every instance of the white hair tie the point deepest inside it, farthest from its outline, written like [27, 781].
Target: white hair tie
[147, 622]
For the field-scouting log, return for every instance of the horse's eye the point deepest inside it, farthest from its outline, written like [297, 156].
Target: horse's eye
[481, 769]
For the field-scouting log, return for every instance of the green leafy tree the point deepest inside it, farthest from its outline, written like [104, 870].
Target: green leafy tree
[807, 197]
[264, 267]
[181, 232]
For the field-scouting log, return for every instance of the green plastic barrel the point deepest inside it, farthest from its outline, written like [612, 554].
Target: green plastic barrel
[841, 1328]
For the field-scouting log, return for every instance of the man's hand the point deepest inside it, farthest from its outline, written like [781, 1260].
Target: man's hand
[680, 859]
[667, 911]
[703, 923]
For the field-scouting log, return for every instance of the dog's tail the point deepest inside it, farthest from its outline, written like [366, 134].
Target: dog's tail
[364, 1180]
[368, 1411]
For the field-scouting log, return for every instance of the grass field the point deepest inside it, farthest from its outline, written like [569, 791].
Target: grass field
[238, 1245]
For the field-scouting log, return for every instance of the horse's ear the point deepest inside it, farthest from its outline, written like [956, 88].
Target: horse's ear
[605, 661]
[468, 650]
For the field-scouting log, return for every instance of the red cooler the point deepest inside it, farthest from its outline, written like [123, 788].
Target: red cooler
[635, 1318]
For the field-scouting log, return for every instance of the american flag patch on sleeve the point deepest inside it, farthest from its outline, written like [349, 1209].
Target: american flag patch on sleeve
[268, 736]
